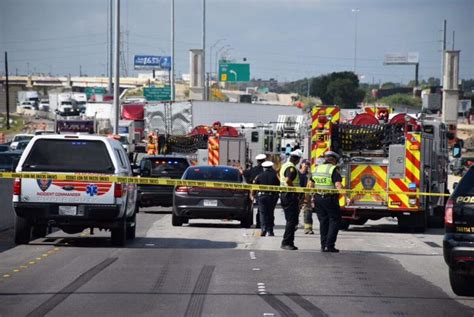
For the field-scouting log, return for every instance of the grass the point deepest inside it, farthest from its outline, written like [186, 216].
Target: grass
[16, 124]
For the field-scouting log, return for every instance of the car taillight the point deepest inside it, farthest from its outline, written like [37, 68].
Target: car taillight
[17, 187]
[118, 190]
[182, 189]
[448, 213]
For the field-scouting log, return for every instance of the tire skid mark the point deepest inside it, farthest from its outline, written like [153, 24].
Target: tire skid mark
[161, 278]
[196, 302]
[278, 305]
[59, 297]
[313, 310]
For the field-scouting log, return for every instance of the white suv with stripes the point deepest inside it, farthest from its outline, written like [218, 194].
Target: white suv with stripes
[74, 205]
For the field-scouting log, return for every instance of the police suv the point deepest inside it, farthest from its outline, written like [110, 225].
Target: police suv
[74, 205]
[458, 243]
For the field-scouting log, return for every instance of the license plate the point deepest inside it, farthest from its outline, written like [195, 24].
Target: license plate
[67, 210]
[210, 203]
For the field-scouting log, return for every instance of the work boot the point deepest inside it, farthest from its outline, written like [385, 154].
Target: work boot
[331, 250]
[289, 247]
[308, 228]
[270, 233]
[263, 233]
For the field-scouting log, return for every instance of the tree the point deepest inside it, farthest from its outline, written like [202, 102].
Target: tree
[339, 88]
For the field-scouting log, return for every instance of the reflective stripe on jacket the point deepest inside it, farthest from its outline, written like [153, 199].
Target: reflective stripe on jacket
[322, 176]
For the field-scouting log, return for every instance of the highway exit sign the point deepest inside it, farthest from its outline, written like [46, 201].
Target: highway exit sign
[234, 72]
[157, 93]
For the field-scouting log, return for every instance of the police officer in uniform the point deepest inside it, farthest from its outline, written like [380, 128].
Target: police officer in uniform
[326, 203]
[290, 201]
[266, 200]
[250, 175]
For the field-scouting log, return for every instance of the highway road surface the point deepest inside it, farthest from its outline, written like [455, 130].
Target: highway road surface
[216, 268]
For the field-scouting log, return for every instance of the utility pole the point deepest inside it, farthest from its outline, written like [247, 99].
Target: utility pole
[7, 91]
[111, 35]
[355, 39]
[172, 52]
[206, 83]
[117, 67]
[443, 49]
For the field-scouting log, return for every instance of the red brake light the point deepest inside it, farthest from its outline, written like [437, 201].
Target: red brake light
[118, 190]
[448, 214]
[17, 187]
[182, 189]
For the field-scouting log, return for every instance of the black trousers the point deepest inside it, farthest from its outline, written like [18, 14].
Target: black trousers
[266, 209]
[329, 216]
[291, 216]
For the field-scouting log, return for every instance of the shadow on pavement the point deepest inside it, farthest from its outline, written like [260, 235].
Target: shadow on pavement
[6, 240]
[138, 243]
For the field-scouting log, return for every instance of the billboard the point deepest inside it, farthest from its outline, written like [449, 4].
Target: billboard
[152, 62]
[401, 58]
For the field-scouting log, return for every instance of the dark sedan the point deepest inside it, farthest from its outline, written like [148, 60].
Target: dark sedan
[212, 203]
[9, 160]
[160, 166]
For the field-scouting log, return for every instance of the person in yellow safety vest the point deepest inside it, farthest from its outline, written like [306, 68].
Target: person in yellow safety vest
[290, 201]
[151, 147]
[326, 202]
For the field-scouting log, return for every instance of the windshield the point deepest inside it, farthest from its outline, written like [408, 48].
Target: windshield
[69, 156]
[165, 166]
[18, 138]
[6, 159]
[210, 173]
[466, 185]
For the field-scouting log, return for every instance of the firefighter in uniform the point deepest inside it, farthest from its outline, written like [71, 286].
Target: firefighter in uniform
[250, 175]
[290, 201]
[326, 203]
[266, 200]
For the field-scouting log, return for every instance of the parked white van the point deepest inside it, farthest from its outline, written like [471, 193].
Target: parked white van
[74, 205]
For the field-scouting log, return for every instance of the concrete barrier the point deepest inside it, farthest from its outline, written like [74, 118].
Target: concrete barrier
[36, 113]
[6, 208]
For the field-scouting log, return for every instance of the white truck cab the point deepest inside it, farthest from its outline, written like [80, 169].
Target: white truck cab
[74, 205]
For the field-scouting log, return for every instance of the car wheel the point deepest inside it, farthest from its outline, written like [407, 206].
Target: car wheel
[22, 230]
[462, 284]
[176, 221]
[131, 227]
[39, 231]
[119, 234]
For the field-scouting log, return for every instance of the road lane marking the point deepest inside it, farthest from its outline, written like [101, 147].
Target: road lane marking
[252, 255]
[23, 267]
[256, 269]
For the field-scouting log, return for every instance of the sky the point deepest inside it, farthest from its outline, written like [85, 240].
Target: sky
[281, 39]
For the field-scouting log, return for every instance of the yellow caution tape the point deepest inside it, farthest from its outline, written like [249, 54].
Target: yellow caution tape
[180, 182]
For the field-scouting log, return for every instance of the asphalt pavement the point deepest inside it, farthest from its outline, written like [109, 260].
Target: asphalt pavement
[216, 268]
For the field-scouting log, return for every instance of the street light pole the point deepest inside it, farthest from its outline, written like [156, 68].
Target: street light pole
[210, 55]
[111, 48]
[117, 67]
[206, 82]
[172, 52]
[355, 39]
[217, 56]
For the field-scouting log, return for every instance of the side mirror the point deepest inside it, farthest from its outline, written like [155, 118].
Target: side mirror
[456, 151]
[455, 185]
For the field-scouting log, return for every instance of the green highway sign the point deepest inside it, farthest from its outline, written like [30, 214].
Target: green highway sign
[94, 91]
[157, 93]
[233, 72]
